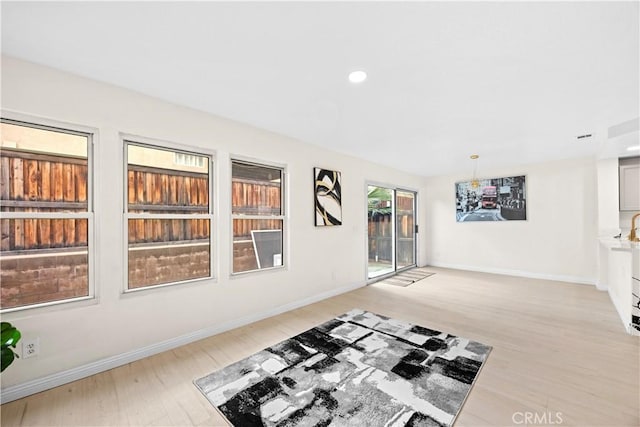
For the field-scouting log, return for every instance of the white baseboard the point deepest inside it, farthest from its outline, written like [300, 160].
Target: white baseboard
[518, 273]
[60, 378]
[602, 286]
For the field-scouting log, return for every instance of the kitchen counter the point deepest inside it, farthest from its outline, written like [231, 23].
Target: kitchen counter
[622, 244]
[618, 274]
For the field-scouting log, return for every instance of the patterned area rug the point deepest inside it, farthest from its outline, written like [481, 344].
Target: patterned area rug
[359, 369]
[408, 277]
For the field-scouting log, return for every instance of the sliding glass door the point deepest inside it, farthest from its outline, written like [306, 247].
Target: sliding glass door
[405, 229]
[380, 209]
[391, 230]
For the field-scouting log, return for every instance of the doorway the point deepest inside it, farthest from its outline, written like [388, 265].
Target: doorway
[391, 224]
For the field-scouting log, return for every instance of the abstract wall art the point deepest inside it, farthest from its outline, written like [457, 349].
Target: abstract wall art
[328, 197]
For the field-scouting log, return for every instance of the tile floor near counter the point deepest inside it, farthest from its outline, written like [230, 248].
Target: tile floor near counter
[559, 353]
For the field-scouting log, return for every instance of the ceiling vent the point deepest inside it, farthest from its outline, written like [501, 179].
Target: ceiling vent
[585, 136]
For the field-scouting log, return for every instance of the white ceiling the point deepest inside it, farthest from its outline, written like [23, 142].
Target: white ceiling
[515, 82]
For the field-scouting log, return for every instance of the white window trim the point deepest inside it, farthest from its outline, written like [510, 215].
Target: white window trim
[283, 215]
[140, 141]
[89, 215]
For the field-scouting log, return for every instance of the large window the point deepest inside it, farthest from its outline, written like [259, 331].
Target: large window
[47, 215]
[168, 213]
[257, 215]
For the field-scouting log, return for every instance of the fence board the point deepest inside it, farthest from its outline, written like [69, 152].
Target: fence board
[148, 187]
[187, 190]
[69, 229]
[140, 228]
[173, 190]
[131, 188]
[30, 237]
[17, 233]
[164, 180]
[140, 187]
[69, 189]
[44, 233]
[82, 228]
[176, 229]
[194, 191]
[166, 231]
[5, 243]
[4, 178]
[157, 230]
[181, 193]
[81, 174]
[57, 192]
[148, 230]
[157, 188]
[45, 180]
[57, 233]
[31, 181]
[188, 232]
[17, 180]
[197, 188]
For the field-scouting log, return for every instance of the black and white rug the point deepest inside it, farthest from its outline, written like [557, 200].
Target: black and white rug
[359, 369]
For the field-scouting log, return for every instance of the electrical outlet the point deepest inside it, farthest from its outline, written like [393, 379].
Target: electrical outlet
[30, 347]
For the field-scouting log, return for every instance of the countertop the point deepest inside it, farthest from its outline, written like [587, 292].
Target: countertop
[622, 244]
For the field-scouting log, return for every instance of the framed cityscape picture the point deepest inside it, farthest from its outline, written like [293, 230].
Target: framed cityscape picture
[494, 199]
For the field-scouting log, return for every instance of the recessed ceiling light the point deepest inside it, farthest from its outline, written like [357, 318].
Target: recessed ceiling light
[357, 76]
[633, 148]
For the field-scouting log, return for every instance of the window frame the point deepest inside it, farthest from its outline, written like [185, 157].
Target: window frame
[89, 214]
[282, 217]
[144, 142]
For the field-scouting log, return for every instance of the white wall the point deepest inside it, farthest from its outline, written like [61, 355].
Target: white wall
[558, 240]
[608, 203]
[321, 261]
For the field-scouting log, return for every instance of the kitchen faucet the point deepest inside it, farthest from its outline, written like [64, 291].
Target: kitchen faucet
[632, 235]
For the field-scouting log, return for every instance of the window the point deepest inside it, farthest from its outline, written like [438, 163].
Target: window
[47, 215]
[168, 213]
[257, 215]
[188, 160]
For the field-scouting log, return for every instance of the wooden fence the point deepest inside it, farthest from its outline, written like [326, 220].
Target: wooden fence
[158, 191]
[251, 197]
[380, 236]
[31, 182]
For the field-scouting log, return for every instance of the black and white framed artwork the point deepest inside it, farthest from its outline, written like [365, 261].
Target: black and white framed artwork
[328, 197]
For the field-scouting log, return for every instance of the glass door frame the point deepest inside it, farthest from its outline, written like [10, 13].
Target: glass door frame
[394, 189]
[414, 233]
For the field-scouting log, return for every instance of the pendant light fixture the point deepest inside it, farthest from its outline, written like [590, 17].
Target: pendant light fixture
[474, 181]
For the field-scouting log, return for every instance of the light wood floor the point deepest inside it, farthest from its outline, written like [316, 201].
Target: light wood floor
[559, 351]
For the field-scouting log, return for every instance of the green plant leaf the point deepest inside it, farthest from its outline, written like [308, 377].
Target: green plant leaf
[9, 335]
[7, 357]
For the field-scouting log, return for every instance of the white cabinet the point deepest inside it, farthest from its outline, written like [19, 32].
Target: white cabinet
[630, 186]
